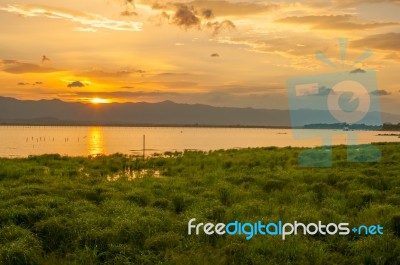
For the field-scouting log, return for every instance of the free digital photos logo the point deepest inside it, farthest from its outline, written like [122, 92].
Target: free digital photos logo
[347, 98]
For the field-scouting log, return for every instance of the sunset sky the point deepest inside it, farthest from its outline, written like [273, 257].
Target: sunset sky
[221, 53]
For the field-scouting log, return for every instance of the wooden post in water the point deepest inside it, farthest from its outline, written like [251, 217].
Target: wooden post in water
[144, 146]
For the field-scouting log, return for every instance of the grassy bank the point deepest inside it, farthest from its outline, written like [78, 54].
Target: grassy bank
[61, 210]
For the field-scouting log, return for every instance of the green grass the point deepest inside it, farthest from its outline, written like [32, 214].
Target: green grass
[62, 210]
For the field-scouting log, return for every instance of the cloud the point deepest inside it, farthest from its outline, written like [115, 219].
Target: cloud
[354, 3]
[386, 41]
[25, 84]
[185, 17]
[129, 9]
[129, 2]
[298, 45]
[227, 8]
[334, 22]
[207, 13]
[128, 13]
[214, 55]
[86, 19]
[76, 84]
[160, 19]
[323, 91]
[85, 29]
[99, 73]
[217, 26]
[357, 71]
[393, 56]
[16, 67]
[310, 91]
[380, 93]
[216, 7]
[188, 16]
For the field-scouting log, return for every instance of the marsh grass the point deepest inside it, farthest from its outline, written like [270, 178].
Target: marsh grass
[64, 210]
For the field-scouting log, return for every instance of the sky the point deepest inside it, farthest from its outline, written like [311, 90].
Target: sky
[231, 53]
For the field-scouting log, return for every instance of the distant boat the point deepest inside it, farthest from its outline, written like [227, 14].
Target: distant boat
[345, 128]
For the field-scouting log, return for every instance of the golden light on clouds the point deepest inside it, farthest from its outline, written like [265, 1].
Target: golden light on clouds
[125, 51]
[99, 101]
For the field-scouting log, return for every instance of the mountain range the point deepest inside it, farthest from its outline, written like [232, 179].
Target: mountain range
[166, 113]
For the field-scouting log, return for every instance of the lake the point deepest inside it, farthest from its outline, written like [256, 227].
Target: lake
[22, 141]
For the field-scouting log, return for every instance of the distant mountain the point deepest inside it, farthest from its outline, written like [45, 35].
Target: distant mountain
[57, 112]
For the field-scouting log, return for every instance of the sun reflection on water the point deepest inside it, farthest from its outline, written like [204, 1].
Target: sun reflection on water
[96, 141]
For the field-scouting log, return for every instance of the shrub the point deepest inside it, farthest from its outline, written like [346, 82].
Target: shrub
[396, 225]
[141, 198]
[161, 203]
[161, 242]
[55, 233]
[273, 184]
[18, 246]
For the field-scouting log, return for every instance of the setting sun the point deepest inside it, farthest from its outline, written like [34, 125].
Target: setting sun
[99, 101]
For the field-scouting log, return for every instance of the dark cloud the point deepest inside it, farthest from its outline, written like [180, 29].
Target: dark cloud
[335, 22]
[387, 41]
[217, 7]
[358, 71]
[230, 8]
[129, 9]
[128, 13]
[380, 93]
[324, 91]
[207, 13]
[214, 55]
[160, 19]
[129, 3]
[188, 16]
[217, 26]
[24, 83]
[76, 84]
[185, 17]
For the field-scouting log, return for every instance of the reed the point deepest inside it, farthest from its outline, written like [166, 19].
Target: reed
[77, 210]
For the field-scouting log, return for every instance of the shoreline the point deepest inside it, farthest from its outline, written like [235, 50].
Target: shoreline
[174, 153]
[183, 126]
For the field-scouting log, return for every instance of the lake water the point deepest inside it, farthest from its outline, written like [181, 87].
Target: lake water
[21, 141]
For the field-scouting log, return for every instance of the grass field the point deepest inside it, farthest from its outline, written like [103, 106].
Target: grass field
[118, 210]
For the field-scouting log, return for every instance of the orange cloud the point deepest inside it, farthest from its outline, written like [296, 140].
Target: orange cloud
[386, 41]
[16, 67]
[334, 22]
[87, 19]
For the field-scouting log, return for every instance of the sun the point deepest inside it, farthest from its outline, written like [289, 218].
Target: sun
[99, 101]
